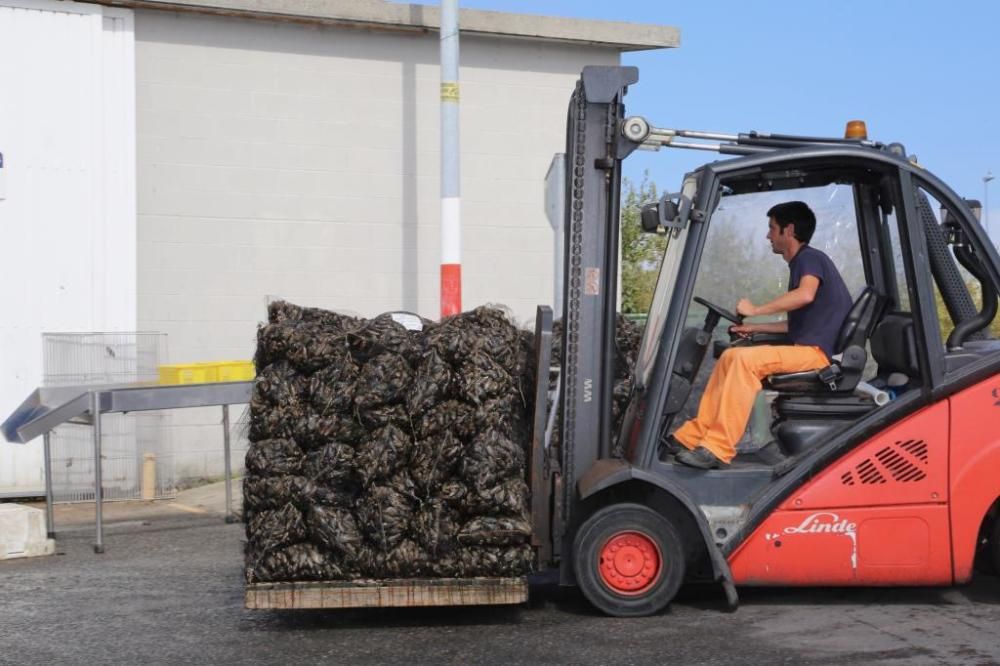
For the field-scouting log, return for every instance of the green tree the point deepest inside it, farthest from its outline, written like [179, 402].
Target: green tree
[976, 291]
[641, 251]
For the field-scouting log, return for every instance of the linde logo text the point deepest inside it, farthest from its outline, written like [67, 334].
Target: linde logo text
[823, 523]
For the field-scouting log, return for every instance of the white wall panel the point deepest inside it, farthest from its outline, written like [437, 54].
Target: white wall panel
[67, 225]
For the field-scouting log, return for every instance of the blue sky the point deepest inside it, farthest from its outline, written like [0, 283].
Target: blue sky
[924, 73]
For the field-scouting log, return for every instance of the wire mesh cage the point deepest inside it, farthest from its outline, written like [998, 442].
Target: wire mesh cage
[137, 456]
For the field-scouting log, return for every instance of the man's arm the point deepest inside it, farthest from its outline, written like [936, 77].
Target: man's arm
[797, 298]
[765, 327]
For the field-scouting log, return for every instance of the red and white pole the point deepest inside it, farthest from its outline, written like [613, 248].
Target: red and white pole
[451, 258]
[451, 228]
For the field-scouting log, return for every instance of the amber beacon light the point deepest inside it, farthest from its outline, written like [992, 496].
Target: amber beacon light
[856, 130]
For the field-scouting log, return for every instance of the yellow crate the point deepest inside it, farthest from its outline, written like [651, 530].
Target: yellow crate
[188, 373]
[235, 371]
[206, 371]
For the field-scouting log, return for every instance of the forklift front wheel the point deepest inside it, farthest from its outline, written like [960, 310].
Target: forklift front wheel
[629, 560]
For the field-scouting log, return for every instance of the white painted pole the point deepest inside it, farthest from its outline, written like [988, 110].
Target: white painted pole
[451, 229]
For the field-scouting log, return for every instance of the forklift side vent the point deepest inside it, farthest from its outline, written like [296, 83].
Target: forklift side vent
[903, 468]
[869, 474]
[903, 461]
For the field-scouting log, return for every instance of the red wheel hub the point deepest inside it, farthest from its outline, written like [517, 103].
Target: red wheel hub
[630, 563]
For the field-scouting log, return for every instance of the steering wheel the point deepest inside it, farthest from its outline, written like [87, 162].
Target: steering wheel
[722, 312]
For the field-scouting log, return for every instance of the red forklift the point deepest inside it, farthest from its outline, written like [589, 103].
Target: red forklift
[882, 469]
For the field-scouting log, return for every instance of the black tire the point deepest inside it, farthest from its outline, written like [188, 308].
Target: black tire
[637, 533]
[995, 545]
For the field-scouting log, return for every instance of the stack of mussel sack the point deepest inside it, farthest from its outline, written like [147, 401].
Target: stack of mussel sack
[384, 450]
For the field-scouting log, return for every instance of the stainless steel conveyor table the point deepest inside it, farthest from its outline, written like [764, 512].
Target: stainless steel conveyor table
[46, 408]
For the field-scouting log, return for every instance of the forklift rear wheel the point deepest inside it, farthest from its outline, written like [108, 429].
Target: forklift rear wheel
[995, 546]
[629, 560]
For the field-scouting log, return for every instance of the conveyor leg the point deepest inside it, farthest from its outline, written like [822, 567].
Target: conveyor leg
[227, 465]
[95, 412]
[50, 523]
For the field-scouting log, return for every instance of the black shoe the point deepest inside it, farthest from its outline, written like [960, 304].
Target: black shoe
[700, 457]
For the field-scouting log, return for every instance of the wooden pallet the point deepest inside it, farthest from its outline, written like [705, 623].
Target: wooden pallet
[404, 592]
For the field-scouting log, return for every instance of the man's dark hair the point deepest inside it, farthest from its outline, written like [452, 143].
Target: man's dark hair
[797, 213]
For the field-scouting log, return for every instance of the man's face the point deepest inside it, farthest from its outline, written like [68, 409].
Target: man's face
[779, 238]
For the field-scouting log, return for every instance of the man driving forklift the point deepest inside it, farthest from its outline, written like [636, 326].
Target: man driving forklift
[817, 302]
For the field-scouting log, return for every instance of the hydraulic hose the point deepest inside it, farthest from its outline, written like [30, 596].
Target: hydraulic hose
[982, 319]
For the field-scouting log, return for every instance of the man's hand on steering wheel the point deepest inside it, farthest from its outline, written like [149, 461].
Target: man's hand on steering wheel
[745, 308]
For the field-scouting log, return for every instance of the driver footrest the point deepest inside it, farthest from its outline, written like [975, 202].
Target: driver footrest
[795, 437]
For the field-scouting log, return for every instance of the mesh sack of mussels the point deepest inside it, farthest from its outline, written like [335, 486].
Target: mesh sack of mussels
[382, 452]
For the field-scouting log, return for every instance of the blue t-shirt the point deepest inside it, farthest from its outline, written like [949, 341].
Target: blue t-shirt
[818, 323]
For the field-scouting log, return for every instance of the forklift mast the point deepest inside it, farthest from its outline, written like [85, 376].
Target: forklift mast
[594, 150]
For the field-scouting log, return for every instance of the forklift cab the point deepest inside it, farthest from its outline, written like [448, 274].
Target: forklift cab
[889, 240]
[879, 470]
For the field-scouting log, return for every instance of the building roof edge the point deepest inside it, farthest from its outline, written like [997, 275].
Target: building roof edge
[380, 15]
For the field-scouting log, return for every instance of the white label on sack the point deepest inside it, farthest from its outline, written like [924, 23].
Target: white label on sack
[408, 321]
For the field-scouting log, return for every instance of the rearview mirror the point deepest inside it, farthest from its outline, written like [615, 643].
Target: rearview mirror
[650, 217]
[658, 215]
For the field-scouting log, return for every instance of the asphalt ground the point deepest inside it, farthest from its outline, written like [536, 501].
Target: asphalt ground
[168, 590]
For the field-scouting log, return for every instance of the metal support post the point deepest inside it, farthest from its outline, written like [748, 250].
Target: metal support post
[95, 413]
[50, 524]
[227, 465]
[451, 200]
[555, 210]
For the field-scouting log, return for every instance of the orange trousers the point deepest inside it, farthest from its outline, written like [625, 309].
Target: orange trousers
[725, 406]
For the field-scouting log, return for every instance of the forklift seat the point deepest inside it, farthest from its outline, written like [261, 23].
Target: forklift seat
[841, 376]
[808, 419]
[894, 345]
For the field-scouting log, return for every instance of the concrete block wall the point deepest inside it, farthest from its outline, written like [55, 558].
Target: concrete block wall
[280, 160]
